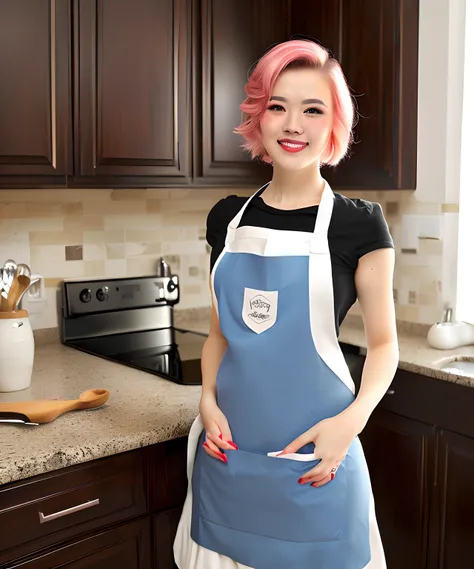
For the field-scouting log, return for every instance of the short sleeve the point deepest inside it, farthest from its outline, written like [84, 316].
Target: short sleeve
[373, 231]
[214, 223]
[217, 221]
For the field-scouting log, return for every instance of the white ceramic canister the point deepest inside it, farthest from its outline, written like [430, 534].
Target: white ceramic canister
[17, 351]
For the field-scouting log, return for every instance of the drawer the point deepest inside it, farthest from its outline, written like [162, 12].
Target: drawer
[126, 546]
[38, 512]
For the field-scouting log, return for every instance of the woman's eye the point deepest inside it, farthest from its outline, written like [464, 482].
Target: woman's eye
[314, 111]
[276, 108]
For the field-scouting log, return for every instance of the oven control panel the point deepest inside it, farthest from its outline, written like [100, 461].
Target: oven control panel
[106, 295]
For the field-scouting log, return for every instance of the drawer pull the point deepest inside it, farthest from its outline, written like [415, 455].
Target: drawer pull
[68, 511]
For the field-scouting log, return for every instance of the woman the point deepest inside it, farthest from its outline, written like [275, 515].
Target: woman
[278, 478]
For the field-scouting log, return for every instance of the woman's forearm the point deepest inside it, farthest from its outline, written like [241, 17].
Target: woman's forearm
[379, 370]
[212, 353]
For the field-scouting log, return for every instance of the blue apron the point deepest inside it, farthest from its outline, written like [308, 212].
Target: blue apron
[282, 373]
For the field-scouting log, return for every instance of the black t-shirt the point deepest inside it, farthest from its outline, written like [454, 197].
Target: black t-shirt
[357, 227]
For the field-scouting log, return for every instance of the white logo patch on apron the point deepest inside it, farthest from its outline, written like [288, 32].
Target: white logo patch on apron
[259, 310]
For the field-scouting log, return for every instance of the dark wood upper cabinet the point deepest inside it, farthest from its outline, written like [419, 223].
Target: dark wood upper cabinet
[146, 93]
[376, 44]
[229, 37]
[35, 148]
[132, 114]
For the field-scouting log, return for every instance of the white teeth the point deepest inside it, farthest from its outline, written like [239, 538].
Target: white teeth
[292, 145]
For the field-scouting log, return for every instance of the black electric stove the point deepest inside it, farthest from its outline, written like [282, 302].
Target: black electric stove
[130, 321]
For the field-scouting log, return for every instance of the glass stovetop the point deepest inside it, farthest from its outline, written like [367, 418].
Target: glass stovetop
[170, 353]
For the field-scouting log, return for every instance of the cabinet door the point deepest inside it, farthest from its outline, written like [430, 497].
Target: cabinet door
[452, 527]
[126, 546]
[229, 38]
[165, 526]
[132, 93]
[377, 45]
[35, 95]
[399, 454]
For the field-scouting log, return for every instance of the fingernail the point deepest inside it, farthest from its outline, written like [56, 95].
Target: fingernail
[301, 481]
[233, 445]
[314, 485]
[332, 475]
[205, 445]
[220, 436]
[224, 458]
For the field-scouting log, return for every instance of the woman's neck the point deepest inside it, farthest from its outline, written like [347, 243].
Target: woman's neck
[294, 189]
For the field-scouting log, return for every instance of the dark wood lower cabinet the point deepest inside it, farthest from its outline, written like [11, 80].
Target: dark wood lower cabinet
[452, 520]
[111, 513]
[126, 546]
[164, 530]
[419, 445]
[399, 454]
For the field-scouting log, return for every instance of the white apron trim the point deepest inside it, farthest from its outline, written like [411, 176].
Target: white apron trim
[321, 294]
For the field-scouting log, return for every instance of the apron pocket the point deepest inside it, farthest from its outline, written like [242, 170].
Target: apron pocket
[260, 494]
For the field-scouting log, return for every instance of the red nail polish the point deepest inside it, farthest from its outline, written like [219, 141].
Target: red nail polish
[332, 475]
[301, 481]
[220, 436]
[224, 458]
[233, 445]
[205, 445]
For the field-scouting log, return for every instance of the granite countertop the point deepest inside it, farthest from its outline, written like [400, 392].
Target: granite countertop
[416, 355]
[143, 409]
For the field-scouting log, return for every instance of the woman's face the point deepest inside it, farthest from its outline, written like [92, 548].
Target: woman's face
[299, 118]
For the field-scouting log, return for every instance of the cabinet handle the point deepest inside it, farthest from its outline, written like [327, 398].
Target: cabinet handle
[391, 392]
[53, 82]
[68, 511]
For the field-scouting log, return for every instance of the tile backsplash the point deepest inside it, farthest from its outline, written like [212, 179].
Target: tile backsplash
[65, 234]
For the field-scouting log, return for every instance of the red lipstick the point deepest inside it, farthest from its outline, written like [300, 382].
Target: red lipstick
[292, 145]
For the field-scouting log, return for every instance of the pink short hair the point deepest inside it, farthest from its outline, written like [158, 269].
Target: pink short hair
[291, 54]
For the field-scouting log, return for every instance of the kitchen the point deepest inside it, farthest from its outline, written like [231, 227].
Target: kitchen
[91, 193]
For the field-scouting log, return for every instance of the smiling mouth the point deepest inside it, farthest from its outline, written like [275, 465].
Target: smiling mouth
[292, 146]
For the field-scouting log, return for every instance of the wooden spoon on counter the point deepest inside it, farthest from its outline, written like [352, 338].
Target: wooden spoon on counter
[45, 411]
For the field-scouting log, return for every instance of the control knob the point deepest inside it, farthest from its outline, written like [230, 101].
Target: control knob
[85, 295]
[102, 294]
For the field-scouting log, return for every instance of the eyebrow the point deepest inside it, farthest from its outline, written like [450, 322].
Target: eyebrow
[305, 102]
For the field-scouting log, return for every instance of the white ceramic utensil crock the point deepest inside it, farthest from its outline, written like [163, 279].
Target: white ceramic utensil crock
[17, 350]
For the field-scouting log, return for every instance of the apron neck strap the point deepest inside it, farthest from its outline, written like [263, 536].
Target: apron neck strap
[234, 223]
[319, 240]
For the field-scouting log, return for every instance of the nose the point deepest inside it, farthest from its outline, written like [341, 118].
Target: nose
[293, 123]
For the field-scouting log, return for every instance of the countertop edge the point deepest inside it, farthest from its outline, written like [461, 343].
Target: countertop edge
[42, 463]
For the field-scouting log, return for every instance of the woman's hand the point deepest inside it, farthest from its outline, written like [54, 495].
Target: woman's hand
[218, 435]
[332, 438]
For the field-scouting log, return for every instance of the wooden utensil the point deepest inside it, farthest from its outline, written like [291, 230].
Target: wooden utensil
[23, 284]
[45, 411]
